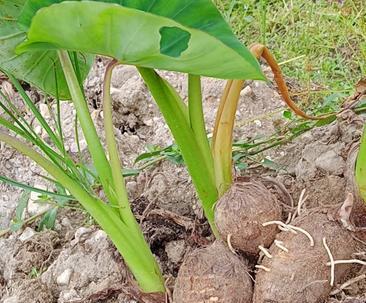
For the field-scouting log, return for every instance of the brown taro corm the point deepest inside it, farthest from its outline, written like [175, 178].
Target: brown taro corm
[240, 213]
[213, 274]
[301, 275]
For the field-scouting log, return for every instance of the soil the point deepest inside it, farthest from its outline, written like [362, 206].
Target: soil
[77, 263]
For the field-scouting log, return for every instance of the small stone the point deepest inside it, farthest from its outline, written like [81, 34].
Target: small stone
[7, 89]
[331, 162]
[38, 130]
[69, 296]
[247, 91]
[132, 188]
[175, 250]
[148, 122]
[95, 114]
[99, 235]
[307, 137]
[82, 233]
[258, 123]
[123, 298]
[34, 206]
[12, 299]
[57, 227]
[66, 222]
[98, 239]
[64, 278]
[44, 110]
[27, 234]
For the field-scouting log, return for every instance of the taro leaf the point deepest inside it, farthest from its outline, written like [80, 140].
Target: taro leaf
[37, 68]
[179, 35]
[29, 9]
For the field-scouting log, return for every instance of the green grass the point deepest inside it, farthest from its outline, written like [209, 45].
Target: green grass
[327, 38]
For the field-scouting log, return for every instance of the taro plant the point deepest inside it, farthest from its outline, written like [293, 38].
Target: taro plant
[183, 36]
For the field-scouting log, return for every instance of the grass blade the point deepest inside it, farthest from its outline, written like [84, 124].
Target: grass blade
[34, 189]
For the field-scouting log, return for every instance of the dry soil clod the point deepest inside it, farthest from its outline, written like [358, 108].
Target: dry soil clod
[241, 212]
[213, 274]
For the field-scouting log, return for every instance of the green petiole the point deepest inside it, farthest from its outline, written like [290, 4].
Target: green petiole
[223, 135]
[94, 145]
[360, 167]
[197, 121]
[175, 114]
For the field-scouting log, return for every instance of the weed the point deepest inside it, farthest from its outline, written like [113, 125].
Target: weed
[327, 40]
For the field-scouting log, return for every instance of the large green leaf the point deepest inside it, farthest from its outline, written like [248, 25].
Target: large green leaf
[37, 68]
[179, 35]
[29, 10]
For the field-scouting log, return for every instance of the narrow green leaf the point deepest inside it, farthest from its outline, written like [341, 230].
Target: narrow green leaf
[326, 121]
[37, 190]
[241, 166]
[267, 163]
[48, 220]
[18, 222]
[147, 156]
[16, 225]
[130, 172]
[22, 204]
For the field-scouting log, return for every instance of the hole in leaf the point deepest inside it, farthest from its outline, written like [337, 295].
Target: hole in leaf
[174, 41]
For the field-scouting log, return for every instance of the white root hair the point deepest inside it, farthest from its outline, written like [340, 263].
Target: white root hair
[291, 227]
[263, 267]
[289, 218]
[304, 232]
[282, 226]
[302, 200]
[347, 284]
[286, 229]
[228, 240]
[351, 261]
[332, 265]
[280, 245]
[265, 251]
